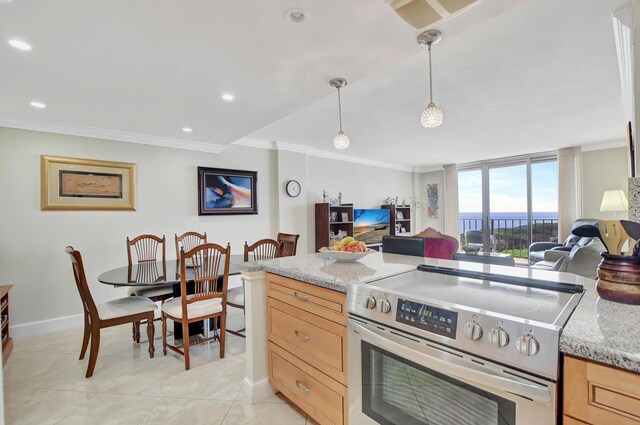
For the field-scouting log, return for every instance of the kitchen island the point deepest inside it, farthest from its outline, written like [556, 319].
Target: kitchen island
[311, 289]
[601, 346]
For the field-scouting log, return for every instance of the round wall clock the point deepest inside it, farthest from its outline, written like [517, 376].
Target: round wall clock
[293, 188]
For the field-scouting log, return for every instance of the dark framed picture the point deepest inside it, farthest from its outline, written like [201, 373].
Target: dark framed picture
[334, 215]
[223, 192]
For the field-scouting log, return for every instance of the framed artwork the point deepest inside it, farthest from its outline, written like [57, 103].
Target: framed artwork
[345, 216]
[399, 215]
[225, 192]
[86, 184]
[334, 216]
[432, 200]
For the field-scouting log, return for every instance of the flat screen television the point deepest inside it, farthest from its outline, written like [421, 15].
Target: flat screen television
[369, 226]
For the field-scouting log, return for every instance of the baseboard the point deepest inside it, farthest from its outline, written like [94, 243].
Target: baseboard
[259, 391]
[43, 327]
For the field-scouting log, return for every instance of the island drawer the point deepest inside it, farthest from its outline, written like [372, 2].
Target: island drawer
[319, 396]
[314, 299]
[600, 395]
[320, 342]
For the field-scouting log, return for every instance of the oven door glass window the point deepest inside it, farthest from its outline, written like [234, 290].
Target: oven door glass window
[397, 391]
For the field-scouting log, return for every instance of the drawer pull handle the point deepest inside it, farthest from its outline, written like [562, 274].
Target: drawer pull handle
[302, 297]
[301, 336]
[302, 387]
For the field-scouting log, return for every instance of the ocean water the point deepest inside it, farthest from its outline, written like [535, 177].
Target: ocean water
[503, 220]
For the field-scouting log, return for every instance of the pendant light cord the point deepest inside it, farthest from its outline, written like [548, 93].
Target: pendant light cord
[339, 109]
[430, 81]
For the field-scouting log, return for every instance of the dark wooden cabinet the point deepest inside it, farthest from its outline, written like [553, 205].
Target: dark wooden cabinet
[7, 341]
[332, 218]
[400, 218]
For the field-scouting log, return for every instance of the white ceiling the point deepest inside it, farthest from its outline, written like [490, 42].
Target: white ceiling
[539, 75]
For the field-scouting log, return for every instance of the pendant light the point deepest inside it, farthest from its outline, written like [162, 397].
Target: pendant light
[432, 115]
[341, 140]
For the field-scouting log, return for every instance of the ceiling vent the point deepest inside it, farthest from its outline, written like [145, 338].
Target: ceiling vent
[423, 13]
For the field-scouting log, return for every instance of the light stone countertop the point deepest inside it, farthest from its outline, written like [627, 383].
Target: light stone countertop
[598, 330]
[603, 331]
[320, 271]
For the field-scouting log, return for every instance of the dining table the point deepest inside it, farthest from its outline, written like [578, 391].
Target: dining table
[161, 273]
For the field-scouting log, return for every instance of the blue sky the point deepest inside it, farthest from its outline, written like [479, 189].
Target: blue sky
[508, 188]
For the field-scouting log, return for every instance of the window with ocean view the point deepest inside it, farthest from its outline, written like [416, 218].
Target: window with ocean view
[504, 207]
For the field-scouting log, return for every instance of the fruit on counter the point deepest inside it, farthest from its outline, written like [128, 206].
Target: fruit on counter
[348, 244]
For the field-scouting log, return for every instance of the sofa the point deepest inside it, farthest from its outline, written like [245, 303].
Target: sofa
[586, 233]
[581, 260]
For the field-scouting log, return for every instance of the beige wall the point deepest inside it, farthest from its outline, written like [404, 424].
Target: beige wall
[426, 179]
[605, 169]
[32, 245]
[363, 185]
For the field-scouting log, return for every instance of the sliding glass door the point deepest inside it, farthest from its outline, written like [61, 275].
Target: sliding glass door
[506, 205]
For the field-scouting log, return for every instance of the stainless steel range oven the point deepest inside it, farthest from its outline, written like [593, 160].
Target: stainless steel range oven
[419, 354]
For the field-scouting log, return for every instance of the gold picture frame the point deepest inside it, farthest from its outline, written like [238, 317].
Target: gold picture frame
[86, 184]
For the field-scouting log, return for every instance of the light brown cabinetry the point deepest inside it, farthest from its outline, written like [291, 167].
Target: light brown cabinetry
[600, 395]
[306, 328]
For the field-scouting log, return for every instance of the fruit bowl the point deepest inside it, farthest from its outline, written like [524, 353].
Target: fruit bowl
[344, 256]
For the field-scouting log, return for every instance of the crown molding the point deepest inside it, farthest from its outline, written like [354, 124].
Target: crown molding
[598, 146]
[103, 133]
[318, 153]
[623, 36]
[430, 169]
[255, 143]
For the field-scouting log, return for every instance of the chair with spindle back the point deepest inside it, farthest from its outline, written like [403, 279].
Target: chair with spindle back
[188, 241]
[207, 301]
[112, 313]
[146, 249]
[264, 249]
[289, 243]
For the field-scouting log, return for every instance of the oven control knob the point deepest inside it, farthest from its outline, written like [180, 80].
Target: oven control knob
[473, 331]
[498, 337]
[385, 306]
[527, 345]
[370, 302]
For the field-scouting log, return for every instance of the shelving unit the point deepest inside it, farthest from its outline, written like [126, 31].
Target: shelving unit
[7, 341]
[405, 221]
[324, 224]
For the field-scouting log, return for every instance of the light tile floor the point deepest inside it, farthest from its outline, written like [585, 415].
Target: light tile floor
[44, 383]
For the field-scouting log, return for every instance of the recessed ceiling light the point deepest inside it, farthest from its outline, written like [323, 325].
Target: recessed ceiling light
[296, 15]
[19, 44]
[228, 97]
[38, 105]
[187, 129]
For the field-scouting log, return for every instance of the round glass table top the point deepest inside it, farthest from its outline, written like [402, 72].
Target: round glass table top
[157, 273]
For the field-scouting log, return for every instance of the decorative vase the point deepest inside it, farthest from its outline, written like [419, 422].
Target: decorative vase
[619, 278]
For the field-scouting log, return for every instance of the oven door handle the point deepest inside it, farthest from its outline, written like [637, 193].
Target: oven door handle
[533, 392]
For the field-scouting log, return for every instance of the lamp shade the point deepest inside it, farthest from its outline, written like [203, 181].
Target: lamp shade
[614, 200]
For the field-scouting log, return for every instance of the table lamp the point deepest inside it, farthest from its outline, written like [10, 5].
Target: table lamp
[614, 201]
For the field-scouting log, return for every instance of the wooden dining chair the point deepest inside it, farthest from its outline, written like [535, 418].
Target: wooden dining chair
[208, 300]
[147, 250]
[289, 242]
[112, 313]
[188, 241]
[264, 249]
